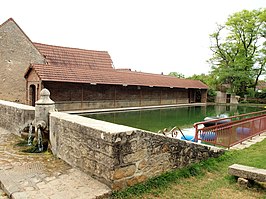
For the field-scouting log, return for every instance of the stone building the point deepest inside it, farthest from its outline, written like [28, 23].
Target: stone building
[16, 53]
[82, 79]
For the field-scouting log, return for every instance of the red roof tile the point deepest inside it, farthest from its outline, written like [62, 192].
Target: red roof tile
[261, 85]
[91, 59]
[115, 77]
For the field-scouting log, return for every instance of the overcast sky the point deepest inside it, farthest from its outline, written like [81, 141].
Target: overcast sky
[144, 35]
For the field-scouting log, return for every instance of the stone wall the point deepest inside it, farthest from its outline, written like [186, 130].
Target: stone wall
[15, 116]
[220, 97]
[120, 156]
[16, 54]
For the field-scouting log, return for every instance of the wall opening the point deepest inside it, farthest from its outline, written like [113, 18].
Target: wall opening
[228, 98]
[32, 95]
[198, 96]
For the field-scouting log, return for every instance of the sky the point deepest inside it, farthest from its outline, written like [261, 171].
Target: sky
[155, 36]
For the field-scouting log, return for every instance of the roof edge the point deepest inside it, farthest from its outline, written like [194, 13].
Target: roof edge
[12, 20]
[74, 48]
[28, 70]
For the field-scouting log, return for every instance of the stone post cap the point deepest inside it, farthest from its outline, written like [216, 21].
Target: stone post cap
[44, 98]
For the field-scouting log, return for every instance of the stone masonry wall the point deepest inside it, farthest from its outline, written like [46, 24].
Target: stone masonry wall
[120, 156]
[16, 54]
[14, 117]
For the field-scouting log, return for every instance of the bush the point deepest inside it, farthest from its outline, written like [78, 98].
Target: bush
[261, 95]
[211, 94]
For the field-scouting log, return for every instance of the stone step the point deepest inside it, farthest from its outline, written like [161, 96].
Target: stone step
[250, 173]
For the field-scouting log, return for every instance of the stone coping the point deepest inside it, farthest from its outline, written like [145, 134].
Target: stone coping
[16, 105]
[92, 123]
[112, 128]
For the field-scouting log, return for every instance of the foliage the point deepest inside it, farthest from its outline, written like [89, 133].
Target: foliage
[176, 74]
[205, 78]
[251, 92]
[261, 95]
[255, 97]
[211, 95]
[239, 57]
[208, 80]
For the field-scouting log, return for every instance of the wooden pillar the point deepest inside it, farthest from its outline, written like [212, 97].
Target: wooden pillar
[203, 96]
[176, 98]
[188, 91]
[160, 96]
[140, 97]
[115, 96]
[82, 96]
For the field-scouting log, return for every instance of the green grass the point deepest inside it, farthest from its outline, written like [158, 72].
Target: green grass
[207, 179]
[22, 143]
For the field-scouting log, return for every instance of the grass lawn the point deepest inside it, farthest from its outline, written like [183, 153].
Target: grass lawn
[208, 179]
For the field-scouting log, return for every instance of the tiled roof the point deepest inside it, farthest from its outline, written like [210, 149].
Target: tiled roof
[261, 85]
[115, 77]
[91, 59]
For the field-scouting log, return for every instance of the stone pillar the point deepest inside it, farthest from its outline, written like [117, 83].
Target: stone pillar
[234, 99]
[42, 108]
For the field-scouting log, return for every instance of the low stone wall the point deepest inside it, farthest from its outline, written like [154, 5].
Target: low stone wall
[120, 156]
[15, 116]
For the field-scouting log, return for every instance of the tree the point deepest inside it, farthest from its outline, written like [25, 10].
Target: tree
[208, 80]
[205, 78]
[238, 55]
[176, 74]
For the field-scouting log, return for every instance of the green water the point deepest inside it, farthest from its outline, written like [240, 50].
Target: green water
[183, 117]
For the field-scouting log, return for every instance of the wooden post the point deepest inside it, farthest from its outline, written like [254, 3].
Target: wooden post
[82, 96]
[115, 97]
[160, 96]
[176, 96]
[140, 97]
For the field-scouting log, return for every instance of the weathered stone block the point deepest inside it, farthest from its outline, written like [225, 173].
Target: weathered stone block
[243, 182]
[124, 172]
[142, 164]
[134, 157]
[247, 172]
[118, 185]
[136, 180]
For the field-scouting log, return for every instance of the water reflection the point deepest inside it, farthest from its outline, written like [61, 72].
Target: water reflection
[183, 117]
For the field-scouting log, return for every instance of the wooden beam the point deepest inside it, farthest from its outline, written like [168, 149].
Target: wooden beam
[82, 96]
